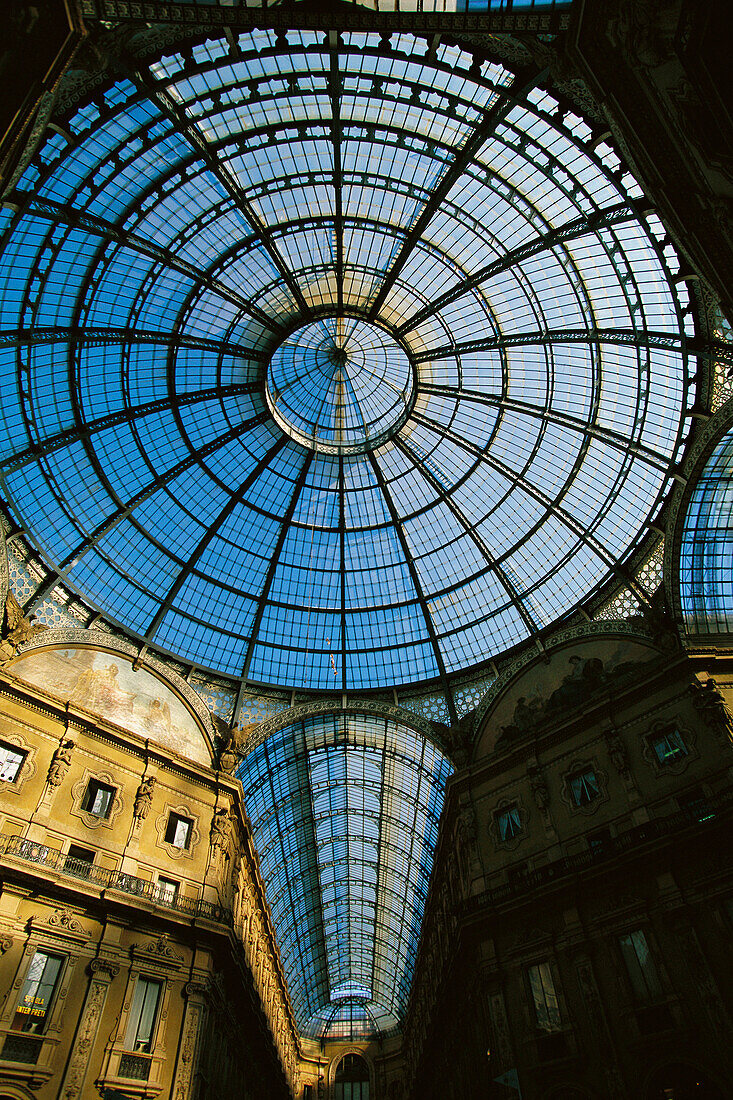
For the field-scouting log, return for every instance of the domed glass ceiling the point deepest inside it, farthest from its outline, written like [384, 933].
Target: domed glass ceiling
[334, 361]
[339, 385]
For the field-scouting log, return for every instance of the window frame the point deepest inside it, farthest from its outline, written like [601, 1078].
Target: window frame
[179, 819]
[543, 969]
[644, 977]
[131, 1043]
[23, 1013]
[580, 771]
[93, 790]
[681, 750]
[678, 763]
[16, 750]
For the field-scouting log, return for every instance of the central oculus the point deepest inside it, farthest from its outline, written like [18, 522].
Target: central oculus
[340, 385]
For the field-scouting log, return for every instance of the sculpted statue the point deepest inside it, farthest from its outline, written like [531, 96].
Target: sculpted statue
[540, 792]
[618, 754]
[143, 799]
[710, 704]
[467, 837]
[221, 826]
[16, 628]
[60, 762]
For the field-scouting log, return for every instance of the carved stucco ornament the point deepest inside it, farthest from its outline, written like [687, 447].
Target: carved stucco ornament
[64, 918]
[162, 949]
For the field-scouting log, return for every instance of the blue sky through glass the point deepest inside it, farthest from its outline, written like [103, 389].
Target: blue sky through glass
[345, 812]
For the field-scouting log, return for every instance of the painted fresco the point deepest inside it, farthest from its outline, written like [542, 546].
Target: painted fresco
[571, 677]
[107, 684]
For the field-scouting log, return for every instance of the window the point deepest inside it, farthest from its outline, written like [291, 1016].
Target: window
[641, 968]
[600, 842]
[669, 747]
[508, 822]
[352, 1079]
[11, 761]
[78, 860]
[544, 998]
[584, 787]
[696, 805]
[141, 1025]
[167, 890]
[37, 993]
[99, 798]
[178, 831]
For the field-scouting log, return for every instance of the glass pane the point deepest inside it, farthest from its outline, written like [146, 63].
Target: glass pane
[10, 761]
[37, 992]
[142, 1015]
[640, 966]
[527, 412]
[546, 1006]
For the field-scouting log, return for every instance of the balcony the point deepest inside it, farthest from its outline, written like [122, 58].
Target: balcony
[698, 815]
[104, 878]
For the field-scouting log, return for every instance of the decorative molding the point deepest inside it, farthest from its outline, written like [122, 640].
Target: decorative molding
[289, 717]
[196, 988]
[579, 633]
[102, 966]
[80, 637]
[161, 949]
[82, 1049]
[187, 1058]
[64, 918]
[161, 824]
[27, 768]
[78, 792]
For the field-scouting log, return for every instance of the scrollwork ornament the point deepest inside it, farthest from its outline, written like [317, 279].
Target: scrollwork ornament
[64, 918]
[163, 950]
[197, 989]
[105, 966]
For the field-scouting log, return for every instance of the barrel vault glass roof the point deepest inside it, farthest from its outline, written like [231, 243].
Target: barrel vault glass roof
[706, 551]
[345, 812]
[484, 453]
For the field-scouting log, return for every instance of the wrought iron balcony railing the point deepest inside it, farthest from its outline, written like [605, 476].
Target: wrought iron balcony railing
[700, 813]
[33, 851]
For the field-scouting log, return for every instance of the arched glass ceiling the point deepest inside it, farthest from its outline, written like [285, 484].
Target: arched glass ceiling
[706, 553]
[522, 374]
[344, 812]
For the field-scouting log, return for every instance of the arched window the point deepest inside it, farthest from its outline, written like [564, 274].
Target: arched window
[352, 1079]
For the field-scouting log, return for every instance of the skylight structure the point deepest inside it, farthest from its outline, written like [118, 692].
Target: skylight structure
[706, 550]
[334, 361]
[345, 811]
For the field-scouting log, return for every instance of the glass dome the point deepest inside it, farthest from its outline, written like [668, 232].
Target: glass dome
[334, 361]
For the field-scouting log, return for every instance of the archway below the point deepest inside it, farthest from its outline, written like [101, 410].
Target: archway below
[351, 1081]
[678, 1081]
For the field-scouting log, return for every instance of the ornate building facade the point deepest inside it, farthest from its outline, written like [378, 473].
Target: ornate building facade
[367, 484]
